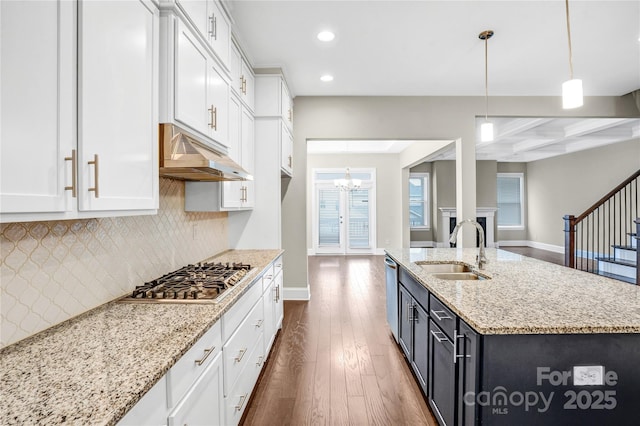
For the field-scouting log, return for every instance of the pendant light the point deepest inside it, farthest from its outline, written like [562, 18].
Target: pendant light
[346, 183]
[486, 128]
[572, 88]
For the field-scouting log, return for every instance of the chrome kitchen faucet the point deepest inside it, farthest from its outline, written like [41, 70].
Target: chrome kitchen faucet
[480, 258]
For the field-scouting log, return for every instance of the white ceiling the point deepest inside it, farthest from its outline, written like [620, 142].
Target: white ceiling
[431, 48]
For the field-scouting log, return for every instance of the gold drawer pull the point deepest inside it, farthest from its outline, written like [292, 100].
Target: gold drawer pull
[259, 363]
[74, 176]
[214, 117]
[207, 352]
[96, 174]
[240, 355]
[259, 323]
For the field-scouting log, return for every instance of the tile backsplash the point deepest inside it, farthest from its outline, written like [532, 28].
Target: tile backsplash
[52, 271]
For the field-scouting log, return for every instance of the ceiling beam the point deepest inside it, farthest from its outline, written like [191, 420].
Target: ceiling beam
[588, 126]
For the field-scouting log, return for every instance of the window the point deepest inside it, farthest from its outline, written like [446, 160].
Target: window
[419, 200]
[510, 200]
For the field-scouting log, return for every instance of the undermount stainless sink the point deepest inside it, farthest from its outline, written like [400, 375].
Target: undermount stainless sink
[456, 276]
[430, 267]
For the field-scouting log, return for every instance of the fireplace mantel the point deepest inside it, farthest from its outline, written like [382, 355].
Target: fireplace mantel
[486, 212]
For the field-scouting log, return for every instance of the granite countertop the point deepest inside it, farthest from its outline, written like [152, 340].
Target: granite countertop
[528, 296]
[93, 368]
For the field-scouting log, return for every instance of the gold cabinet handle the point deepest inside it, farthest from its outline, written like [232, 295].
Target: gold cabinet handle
[96, 174]
[259, 363]
[289, 114]
[240, 355]
[275, 294]
[207, 352]
[214, 117]
[244, 85]
[258, 324]
[290, 161]
[243, 398]
[211, 26]
[74, 175]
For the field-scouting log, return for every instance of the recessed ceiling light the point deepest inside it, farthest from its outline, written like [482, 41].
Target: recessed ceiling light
[326, 36]
[326, 78]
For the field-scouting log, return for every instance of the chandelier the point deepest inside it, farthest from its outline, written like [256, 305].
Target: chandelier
[347, 183]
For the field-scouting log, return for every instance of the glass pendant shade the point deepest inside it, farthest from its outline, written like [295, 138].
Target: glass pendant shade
[486, 131]
[572, 94]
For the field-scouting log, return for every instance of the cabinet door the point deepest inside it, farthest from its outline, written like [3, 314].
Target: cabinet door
[420, 360]
[468, 344]
[204, 403]
[37, 124]
[286, 151]
[406, 324]
[151, 410]
[232, 192]
[247, 143]
[286, 106]
[190, 81]
[442, 395]
[279, 283]
[235, 69]
[248, 85]
[217, 105]
[118, 105]
[196, 11]
[269, 304]
[219, 34]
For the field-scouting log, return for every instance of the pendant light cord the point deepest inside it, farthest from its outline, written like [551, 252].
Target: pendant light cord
[569, 38]
[486, 78]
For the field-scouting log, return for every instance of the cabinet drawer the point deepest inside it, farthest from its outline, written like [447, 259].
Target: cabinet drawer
[417, 290]
[442, 316]
[267, 277]
[237, 350]
[236, 400]
[234, 316]
[277, 266]
[185, 372]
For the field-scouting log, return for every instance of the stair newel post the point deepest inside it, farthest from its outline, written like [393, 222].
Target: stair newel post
[637, 237]
[570, 241]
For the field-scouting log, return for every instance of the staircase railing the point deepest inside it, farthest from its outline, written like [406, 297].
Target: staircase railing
[607, 223]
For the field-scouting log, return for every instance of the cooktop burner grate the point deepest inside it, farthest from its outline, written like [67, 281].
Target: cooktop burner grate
[199, 282]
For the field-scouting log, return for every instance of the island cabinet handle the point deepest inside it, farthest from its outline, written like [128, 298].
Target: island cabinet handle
[443, 315]
[207, 352]
[457, 336]
[439, 339]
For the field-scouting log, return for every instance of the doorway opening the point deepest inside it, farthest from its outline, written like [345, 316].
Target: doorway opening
[344, 220]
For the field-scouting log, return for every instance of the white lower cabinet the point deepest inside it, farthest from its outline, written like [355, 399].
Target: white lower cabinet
[203, 403]
[152, 408]
[212, 383]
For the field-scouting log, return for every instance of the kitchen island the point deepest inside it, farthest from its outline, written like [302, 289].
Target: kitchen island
[531, 343]
[94, 368]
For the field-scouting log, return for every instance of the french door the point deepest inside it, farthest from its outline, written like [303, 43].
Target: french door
[344, 220]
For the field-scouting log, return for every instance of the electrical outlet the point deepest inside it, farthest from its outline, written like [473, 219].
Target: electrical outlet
[588, 375]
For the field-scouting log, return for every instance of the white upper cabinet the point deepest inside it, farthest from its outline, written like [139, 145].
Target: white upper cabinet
[78, 144]
[118, 104]
[37, 129]
[242, 78]
[194, 91]
[286, 151]
[211, 23]
[272, 98]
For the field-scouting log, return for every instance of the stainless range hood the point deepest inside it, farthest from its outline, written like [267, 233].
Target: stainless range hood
[183, 156]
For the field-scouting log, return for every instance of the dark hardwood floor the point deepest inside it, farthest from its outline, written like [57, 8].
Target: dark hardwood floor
[546, 255]
[334, 361]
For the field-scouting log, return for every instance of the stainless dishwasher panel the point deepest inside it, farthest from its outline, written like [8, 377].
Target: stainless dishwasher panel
[391, 272]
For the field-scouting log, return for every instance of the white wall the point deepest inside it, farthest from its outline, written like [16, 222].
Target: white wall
[569, 184]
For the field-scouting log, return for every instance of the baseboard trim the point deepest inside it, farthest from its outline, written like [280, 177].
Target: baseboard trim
[297, 293]
[533, 244]
[421, 244]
